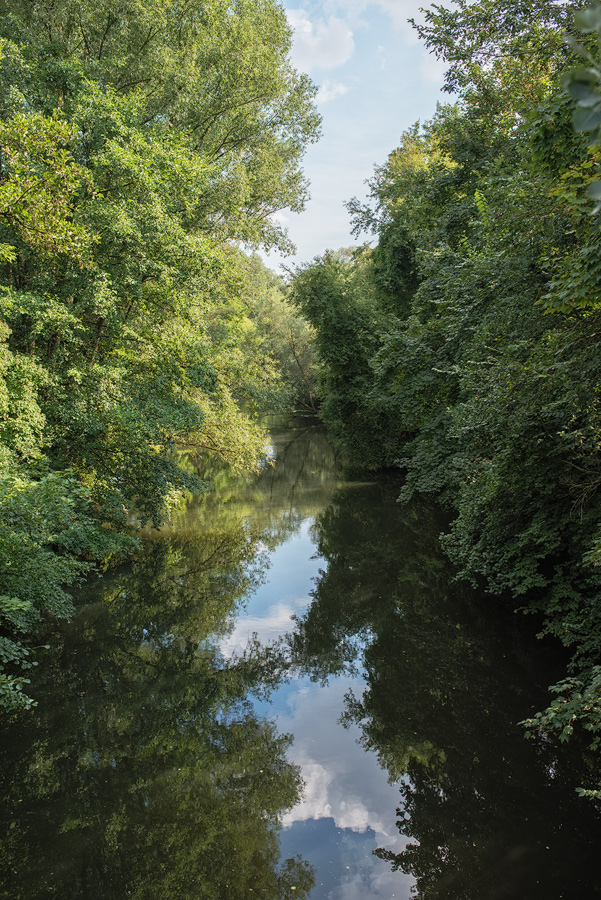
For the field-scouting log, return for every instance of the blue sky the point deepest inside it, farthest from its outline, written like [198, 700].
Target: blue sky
[375, 80]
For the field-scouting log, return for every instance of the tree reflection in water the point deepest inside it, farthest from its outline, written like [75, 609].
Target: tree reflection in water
[145, 772]
[486, 814]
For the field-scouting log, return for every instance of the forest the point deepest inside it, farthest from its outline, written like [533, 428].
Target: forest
[144, 148]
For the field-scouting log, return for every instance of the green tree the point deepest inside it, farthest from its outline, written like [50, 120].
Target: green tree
[487, 268]
[281, 333]
[335, 293]
[136, 145]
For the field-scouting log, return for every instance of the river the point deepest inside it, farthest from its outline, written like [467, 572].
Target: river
[286, 695]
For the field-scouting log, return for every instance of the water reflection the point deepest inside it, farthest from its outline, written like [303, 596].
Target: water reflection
[145, 771]
[152, 767]
[487, 814]
[345, 812]
[297, 487]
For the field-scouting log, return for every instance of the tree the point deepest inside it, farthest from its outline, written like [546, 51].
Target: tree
[137, 145]
[335, 293]
[487, 258]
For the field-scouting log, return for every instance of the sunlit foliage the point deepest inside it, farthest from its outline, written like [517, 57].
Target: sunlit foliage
[141, 146]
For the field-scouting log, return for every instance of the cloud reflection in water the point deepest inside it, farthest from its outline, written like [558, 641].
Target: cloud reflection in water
[348, 808]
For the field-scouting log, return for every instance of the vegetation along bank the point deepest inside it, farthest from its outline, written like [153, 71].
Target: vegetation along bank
[464, 345]
[143, 145]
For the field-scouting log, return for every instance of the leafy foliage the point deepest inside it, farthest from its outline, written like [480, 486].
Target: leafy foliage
[39, 182]
[584, 85]
[48, 532]
[140, 146]
[480, 334]
[580, 708]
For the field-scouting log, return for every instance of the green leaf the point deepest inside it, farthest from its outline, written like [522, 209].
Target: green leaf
[586, 94]
[589, 20]
[578, 48]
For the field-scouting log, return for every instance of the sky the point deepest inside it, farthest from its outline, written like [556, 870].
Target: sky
[375, 80]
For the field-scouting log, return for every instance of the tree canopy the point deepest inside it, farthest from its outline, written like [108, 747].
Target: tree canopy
[142, 147]
[471, 338]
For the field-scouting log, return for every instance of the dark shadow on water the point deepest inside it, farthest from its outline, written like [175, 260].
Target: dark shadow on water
[449, 674]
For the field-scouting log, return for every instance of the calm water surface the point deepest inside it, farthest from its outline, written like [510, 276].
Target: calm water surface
[286, 696]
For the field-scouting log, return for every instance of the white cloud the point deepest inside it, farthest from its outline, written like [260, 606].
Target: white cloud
[342, 781]
[400, 11]
[330, 90]
[324, 798]
[356, 12]
[283, 219]
[268, 627]
[344, 784]
[319, 44]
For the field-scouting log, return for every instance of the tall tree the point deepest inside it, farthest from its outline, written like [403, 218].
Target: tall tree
[487, 269]
[139, 142]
